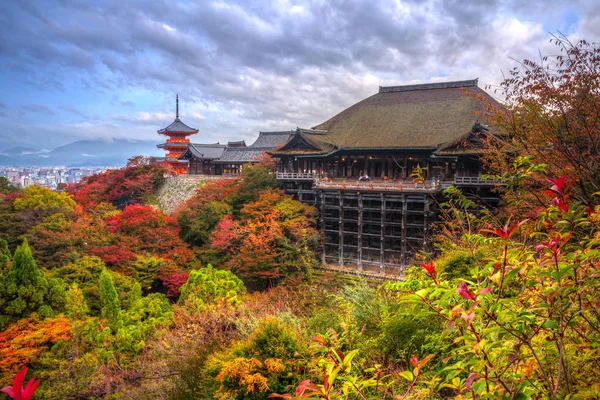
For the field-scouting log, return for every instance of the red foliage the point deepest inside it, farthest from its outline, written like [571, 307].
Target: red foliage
[143, 230]
[225, 234]
[17, 391]
[128, 185]
[430, 268]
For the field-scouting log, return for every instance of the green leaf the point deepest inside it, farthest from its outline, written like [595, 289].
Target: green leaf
[550, 324]
[408, 375]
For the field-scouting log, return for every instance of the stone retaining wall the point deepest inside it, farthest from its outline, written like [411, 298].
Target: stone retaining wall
[177, 189]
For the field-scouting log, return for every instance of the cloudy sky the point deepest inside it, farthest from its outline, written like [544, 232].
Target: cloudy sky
[88, 69]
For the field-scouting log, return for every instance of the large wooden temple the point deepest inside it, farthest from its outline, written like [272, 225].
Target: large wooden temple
[376, 170]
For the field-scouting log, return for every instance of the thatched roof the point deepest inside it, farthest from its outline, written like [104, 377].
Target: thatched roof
[398, 117]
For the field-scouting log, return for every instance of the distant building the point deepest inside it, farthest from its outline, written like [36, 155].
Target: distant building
[229, 159]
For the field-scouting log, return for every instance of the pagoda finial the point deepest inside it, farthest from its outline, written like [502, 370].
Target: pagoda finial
[177, 106]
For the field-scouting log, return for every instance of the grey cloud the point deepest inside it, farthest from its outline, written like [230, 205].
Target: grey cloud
[250, 65]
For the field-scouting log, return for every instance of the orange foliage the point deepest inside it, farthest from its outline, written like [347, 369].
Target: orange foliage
[24, 340]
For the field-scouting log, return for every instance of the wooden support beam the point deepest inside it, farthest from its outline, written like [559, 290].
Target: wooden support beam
[404, 212]
[360, 230]
[426, 223]
[341, 230]
[382, 237]
[323, 234]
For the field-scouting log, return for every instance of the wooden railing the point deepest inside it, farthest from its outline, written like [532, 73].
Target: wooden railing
[428, 186]
[475, 180]
[307, 176]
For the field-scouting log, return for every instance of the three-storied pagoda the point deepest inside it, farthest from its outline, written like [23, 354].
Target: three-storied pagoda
[177, 142]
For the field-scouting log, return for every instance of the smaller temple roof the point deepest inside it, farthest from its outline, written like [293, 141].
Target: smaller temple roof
[204, 151]
[271, 140]
[239, 143]
[234, 155]
[307, 141]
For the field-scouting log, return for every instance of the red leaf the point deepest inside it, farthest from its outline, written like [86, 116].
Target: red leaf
[464, 291]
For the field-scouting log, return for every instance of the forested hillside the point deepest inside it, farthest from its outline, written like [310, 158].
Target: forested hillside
[103, 296]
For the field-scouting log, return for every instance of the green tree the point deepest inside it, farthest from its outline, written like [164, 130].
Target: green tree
[76, 306]
[86, 273]
[111, 306]
[5, 256]
[6, 187]
[254, 179]
[24, 289]
[208, 286]
[42, 198]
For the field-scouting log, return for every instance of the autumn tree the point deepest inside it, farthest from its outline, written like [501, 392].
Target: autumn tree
[552, 116]
[24, 341]
[133, 184]
[254, 179]
[274, 237]
[142, 230]
[201, 213]
[24, 289]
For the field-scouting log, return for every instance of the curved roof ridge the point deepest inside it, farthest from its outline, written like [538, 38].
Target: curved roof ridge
[427, 86]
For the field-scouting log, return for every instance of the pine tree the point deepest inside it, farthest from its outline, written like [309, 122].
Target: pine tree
[24, 271]
[24, 289]
[76, 306]
[4, 256]
[111, 306]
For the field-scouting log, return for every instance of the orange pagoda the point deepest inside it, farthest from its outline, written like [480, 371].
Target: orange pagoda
[177, 142]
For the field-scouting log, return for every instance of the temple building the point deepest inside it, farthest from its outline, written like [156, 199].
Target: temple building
[229, 159]
[177, 142]
[376, 170]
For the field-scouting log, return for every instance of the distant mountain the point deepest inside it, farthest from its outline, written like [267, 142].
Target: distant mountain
[19, 151]
[81, 153]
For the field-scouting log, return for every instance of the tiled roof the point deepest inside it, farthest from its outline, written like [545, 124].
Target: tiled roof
[239, 143]
[272, 140]
[241, 155]
[204, 151]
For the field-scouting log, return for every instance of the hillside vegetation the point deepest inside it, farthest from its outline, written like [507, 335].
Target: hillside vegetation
[104, 297]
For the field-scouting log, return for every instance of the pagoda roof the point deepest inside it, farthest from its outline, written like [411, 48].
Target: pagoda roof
[172, 144]
[177, 126]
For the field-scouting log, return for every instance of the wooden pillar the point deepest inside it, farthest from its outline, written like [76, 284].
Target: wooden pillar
[323, 233]
[360, 230]
[382, 237]
[341, 231]
[426, 223]
[403, 250]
